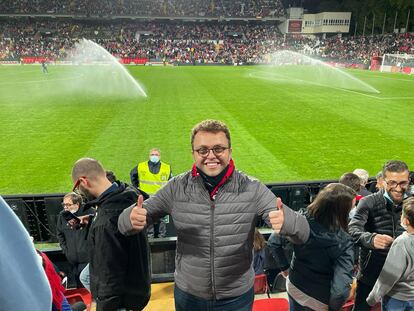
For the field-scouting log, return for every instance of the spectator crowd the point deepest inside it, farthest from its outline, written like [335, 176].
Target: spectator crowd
[188, 42]
[173, 8]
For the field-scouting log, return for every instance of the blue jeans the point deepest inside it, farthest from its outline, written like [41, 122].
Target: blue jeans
[295, 306]
[84, 278]
[188, 302]
[392, 304]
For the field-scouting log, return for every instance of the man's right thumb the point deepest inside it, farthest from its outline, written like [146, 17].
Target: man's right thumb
[140, 201]
[279, 203]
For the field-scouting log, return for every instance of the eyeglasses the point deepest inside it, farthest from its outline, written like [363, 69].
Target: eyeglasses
[67, 204]
[77, 183]
[394, 184]
[217, 150]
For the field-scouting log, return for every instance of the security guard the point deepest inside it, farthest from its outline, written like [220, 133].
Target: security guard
[149, 176]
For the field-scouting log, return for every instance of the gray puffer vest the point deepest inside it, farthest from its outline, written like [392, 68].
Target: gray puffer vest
[214, 238]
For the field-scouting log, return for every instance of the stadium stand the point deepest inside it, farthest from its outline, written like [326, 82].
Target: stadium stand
[179, 42]
[174, 8]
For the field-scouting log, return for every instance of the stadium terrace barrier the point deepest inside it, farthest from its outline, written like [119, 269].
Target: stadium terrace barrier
[39, 213]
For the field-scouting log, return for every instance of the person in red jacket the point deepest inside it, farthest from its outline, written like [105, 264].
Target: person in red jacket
[59, 302]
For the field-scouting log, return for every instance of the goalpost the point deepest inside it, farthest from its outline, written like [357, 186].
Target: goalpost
[397, 63]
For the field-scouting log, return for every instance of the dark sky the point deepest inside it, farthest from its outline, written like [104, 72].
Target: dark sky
[311, 5]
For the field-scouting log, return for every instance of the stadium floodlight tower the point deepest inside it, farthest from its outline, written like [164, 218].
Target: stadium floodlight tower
[395, 62]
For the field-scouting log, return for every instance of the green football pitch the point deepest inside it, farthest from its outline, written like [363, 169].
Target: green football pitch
[284, 128]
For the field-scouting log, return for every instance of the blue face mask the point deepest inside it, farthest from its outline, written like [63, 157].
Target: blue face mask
[154, 159]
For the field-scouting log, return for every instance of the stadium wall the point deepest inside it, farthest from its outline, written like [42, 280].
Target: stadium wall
[122, 60]
[128, 61]
[39, 212]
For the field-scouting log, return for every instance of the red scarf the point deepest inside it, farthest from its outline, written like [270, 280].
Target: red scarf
[230, 171]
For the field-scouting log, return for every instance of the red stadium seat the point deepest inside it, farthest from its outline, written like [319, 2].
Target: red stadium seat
[78, 294]
[274, 304]
[260, 285]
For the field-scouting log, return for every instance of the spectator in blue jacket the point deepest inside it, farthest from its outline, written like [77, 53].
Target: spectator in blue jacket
[320, 273]
[23, 285]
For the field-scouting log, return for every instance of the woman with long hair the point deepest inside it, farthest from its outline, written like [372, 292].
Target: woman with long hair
[259, 244]
[320, 273]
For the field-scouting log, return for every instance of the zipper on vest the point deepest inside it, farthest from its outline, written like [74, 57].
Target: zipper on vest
[393, 225]
[213, 281]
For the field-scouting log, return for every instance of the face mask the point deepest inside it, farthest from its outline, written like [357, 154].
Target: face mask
[154, 159]
[73, 210]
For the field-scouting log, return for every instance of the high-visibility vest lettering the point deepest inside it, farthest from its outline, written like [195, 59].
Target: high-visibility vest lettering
[149, 182]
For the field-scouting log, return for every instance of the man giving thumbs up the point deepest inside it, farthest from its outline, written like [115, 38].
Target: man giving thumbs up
[214, 208]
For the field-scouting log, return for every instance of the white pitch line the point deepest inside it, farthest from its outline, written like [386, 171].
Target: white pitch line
[397, 98]
[383, 77]
[318, 84]
[373, 96]
[38, 81]
[13, 74]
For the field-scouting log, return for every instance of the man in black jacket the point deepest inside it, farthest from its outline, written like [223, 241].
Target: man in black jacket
[375, 225]
[119, 265]
[73, 241]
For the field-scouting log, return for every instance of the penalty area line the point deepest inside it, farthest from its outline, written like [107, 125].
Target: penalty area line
[278, 77]
[376, 97]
